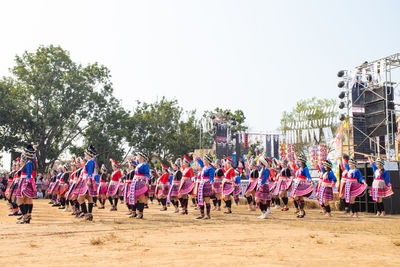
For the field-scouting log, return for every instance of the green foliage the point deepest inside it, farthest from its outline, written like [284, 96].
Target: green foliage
[159, 128]
[54, 103]
[50, 101]
[254, 146]
[107, 133]
[227, 114]
[297, 114]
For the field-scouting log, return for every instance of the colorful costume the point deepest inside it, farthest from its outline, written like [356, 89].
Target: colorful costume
[381, 186]
[302, 185]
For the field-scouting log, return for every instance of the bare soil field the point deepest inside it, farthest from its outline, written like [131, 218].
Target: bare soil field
[55, 238]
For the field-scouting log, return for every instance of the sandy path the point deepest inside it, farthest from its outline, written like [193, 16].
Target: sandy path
[55, 238]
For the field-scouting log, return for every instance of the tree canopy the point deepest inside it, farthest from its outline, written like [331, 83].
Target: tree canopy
[311, 113]
[62, 106]
[50, 101]
[160, 128]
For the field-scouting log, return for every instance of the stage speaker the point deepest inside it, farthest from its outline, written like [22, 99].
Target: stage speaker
[359, 123]
[378, 94]
[221, 145]
[359, 129]
[392, 204]
[375, 111]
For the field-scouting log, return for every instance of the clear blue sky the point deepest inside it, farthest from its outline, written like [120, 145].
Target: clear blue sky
[259, 56]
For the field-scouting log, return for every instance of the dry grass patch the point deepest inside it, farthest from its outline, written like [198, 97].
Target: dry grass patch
[396, 243]
[96, 241]
[116, 221]
[111, 237]
[32, 245]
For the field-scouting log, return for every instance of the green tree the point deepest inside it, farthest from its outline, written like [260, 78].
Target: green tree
[107, 133]
[186, 137]
[236, 116]
[49, 100]
[299, 113]
[159, 130]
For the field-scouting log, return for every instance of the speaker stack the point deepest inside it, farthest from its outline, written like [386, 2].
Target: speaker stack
[221, 139]
[375, 111]
[359, 122]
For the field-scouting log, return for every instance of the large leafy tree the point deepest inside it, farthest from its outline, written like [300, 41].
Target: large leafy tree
[49, 100]
[159, 129]
[187, 136]
[107, 133]
[236, 120]
[299, 113]
[236, 116]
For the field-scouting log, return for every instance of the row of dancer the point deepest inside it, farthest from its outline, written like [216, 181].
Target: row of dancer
[21, 187]
[269, 181]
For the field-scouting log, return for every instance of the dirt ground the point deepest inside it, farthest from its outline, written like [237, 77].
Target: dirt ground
[55, 238]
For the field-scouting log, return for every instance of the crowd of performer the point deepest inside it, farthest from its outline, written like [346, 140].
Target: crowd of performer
[83, 185]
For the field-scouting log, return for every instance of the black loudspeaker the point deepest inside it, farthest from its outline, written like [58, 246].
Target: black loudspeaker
[361, 145]
[275, 146]
[359, 124]
[375, 111]
[376, 124]
[378, 94]
[268, 145]
[221, 145]
[377, 107]
[392, 204]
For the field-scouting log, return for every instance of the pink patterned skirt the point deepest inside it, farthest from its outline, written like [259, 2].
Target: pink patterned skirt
[27, 189]
[112, 188]
[228, 188]
[237, 190]
[8, 188]
[218, 186]
[56, 188]
[325, 193]
[251, 186]
[301, 188]
[207, 189]
[263, 192]
[140, 188]
[162, 190]
[92, 187]
[121, 188]
[78, 185]
[70, 190]
[50, 189]
[282, 185]
[63, 188]
[83, 187]
[127, 190]
[186, 187]
[173, 190]
[152, 189]
[353, 189]
[380, 190]
[102, 188]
